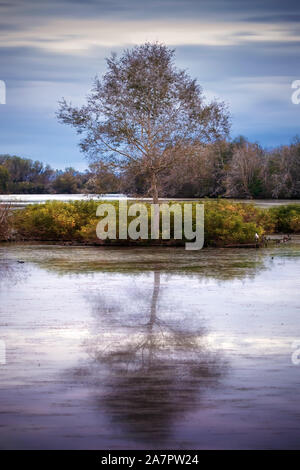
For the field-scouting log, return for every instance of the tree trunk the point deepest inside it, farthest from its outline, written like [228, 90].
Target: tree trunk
[154, 190]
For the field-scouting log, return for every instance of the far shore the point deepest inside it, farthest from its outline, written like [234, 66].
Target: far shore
[20, 200]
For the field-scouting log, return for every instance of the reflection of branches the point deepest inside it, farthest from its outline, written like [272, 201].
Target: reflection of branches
[153, 372]
[140, 343]
[10, 274]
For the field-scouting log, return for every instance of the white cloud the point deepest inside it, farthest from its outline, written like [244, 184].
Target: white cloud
[78, 36]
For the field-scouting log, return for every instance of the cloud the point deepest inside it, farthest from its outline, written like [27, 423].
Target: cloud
[79, 36]
[73, 26]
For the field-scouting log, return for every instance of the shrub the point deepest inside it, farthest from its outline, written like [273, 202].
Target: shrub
[225, 222]
[54, 220]
[287, 218]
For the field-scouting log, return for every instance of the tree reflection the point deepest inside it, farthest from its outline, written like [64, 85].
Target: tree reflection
[11, 273]
[151, 373]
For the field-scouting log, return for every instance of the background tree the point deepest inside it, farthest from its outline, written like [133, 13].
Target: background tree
[102, 179]
[246, 171]
[145, 113]
[284, 171]
[4, 179]
[66, 182]
[25, 175]
[201, 171]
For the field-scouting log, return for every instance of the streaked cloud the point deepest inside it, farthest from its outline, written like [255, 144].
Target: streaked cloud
[79, 36]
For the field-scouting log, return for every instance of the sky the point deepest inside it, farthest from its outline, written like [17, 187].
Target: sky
[245, 53]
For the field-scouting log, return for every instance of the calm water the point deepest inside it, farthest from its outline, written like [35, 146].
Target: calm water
[149, 348]
[25, 199]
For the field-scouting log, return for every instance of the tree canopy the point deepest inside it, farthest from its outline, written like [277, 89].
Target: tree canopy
[145, 113]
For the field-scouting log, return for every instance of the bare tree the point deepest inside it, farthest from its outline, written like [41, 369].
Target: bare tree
[284, 171]
[201, 171]
[101, 179]
[145, 112]
[246, 172]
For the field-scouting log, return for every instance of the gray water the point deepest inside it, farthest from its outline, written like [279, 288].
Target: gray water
[149, 347]
[25, 199]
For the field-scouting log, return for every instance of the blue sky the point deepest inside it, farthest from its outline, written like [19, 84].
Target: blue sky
[245, 53]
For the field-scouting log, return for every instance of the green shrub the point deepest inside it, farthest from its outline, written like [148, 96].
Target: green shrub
[286, 218]
[225, 222]
[54, 220]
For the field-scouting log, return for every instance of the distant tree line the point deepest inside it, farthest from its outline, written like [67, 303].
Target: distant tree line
[24, 176]
[234, 169]
[238, 169]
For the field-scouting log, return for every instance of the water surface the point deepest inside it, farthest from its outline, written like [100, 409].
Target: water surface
[149, 347]
[21, 200]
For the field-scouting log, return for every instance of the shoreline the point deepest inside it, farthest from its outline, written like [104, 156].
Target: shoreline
[274, 240]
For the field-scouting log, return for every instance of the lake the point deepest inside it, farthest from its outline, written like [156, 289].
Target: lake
[149, 348]
[25, 199]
